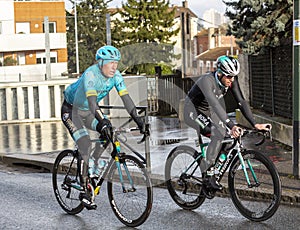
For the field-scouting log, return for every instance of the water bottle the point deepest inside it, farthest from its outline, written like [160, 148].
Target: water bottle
[220, 161]
[101, 166]
[91, 168]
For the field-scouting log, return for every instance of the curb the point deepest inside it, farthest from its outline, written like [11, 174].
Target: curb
[290, 195]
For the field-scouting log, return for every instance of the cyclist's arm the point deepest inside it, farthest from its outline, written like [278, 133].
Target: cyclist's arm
[207, 87]
[91, 95]
[131, 109]
[127, 101]
[242, 103]
[94, 107]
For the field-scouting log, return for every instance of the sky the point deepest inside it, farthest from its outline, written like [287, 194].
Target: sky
[197, 6]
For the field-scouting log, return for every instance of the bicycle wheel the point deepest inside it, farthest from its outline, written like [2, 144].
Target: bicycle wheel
[65, 172]
[185, 188]
[259, 201]
[132, 203]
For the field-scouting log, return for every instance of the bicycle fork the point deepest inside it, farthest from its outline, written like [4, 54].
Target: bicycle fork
[244, 168]
[118, 164]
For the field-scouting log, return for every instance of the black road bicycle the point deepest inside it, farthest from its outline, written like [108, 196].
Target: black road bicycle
[128, 182]
[253, 180]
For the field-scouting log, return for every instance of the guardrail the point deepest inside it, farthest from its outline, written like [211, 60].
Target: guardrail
[41, 101]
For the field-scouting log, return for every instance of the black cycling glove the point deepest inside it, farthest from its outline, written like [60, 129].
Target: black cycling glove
[140, 123]
[104, 127]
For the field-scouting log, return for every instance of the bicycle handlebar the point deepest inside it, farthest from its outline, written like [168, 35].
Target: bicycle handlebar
[245, 131]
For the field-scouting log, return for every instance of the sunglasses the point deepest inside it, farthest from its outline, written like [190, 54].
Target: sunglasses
[228, 76]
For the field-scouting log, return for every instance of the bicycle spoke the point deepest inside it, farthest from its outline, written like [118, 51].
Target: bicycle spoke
[64, 173]
[260, 199]
[183, 178]
[131, 206]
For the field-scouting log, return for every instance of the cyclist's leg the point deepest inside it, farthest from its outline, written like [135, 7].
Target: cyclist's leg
[80, 135]
[218, 132]
[190, 116]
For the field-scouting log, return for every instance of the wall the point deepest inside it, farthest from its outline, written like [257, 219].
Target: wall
[30, 72]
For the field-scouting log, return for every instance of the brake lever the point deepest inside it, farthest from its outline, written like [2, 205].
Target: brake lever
[262, 140]
[265, 133]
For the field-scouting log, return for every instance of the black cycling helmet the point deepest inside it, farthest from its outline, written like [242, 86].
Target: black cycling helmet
[228, 66]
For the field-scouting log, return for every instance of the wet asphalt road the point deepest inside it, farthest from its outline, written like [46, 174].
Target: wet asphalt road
[28, 202]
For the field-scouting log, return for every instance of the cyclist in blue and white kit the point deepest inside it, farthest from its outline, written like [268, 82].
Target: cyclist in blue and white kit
[80, 109]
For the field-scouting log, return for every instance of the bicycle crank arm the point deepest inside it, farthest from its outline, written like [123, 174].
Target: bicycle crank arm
[129, 190]
[253, 185]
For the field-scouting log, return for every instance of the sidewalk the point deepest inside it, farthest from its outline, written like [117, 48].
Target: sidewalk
[164, 138]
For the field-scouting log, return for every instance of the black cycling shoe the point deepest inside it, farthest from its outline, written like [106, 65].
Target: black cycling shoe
[86, 201]
[211, 182]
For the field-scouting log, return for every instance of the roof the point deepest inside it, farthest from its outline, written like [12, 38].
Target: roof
[213, 54]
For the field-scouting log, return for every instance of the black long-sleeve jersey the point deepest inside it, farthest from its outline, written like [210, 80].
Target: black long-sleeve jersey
[206, 95]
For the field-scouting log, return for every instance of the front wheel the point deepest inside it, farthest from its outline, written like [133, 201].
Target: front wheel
[65, 175]
[259, 200]
[131, 201]
[184, 178]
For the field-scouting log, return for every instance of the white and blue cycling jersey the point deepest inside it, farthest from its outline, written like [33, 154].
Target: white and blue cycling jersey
[93, 83]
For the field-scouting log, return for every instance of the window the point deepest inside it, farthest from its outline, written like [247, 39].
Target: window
[52, 27]
[208, 66]
[22, 28]
[200, 49]
[21, 58]
[188, 24]
[41, 57]
[1, 59]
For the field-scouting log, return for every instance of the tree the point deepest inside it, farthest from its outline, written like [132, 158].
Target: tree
[258, 24]
[144, 33]
[91, 29]
[9, 61]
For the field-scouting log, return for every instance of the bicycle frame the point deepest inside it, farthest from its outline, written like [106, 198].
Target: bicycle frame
[115, 158]
[235, 151]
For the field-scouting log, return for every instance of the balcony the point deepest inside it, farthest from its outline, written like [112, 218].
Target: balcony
[23, 42]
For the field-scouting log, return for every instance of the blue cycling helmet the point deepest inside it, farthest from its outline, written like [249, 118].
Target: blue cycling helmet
[228, 65]
[108, 53]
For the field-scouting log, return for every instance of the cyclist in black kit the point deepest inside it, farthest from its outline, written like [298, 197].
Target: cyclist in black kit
[205, 111]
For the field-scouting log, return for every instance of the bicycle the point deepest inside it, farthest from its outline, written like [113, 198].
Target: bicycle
[253, 180]
[128, 182]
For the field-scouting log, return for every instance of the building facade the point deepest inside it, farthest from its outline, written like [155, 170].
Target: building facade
[210, 44]
[27, 49]
[187, 23]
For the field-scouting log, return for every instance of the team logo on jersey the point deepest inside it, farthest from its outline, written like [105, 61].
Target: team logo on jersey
[121, 85]
[65, 116]
[222, 124]
[91, 84]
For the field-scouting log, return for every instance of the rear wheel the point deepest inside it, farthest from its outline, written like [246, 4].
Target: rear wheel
[65, 176]
[132, 202]
[184, 179]
[260, 200]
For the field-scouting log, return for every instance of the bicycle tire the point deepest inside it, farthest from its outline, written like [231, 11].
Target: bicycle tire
[178, 160]
[67, 196]
[132, 207]
[260, 202]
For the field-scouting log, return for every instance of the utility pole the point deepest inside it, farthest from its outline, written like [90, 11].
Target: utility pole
[47, 48]
[108, 31]
[296, 88]
[76, 38]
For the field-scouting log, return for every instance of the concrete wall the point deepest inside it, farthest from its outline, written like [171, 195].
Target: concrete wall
[281, 131]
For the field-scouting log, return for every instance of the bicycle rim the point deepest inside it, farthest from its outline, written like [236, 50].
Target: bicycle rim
[132, 206]
[261, 201]
[65, 166]
[185, 189]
